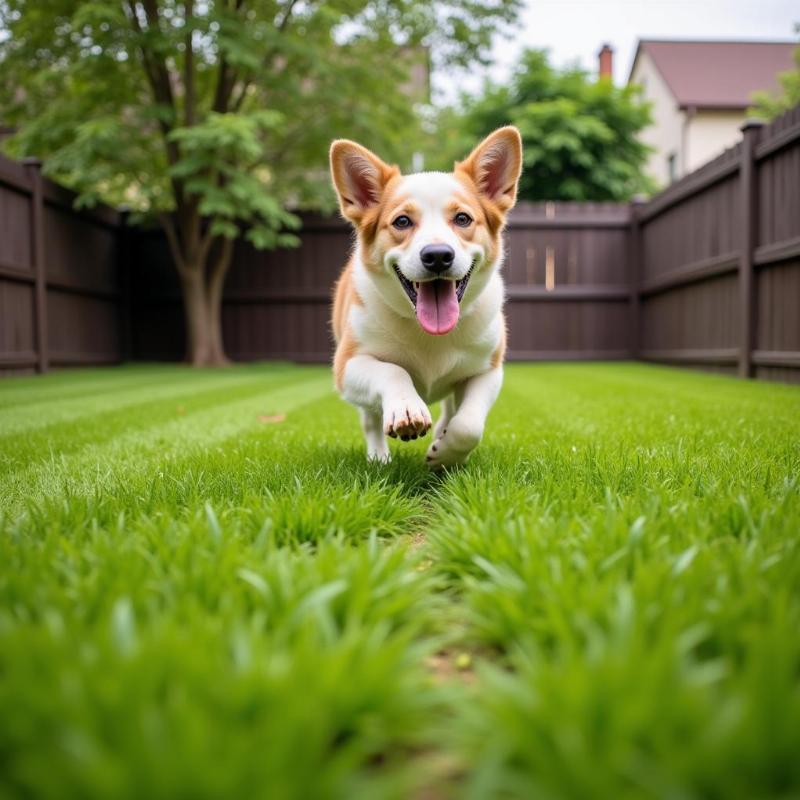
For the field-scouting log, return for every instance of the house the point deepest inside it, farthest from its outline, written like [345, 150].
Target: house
[700, 92]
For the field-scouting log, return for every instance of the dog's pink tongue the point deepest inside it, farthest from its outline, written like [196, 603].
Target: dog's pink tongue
[437, 306]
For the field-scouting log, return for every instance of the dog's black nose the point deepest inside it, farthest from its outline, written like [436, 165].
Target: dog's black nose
[437, 257]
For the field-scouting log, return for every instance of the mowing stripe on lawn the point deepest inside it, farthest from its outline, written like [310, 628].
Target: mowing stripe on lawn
[68, 383]
[32, 415]
[95, 425]
[131, 454]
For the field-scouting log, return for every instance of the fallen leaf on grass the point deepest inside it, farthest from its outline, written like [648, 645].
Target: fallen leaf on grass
[267, 419]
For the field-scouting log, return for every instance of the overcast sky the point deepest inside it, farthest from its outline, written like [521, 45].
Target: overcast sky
[574, 30]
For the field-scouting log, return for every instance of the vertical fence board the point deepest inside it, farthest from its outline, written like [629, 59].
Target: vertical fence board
[748, 200]
[37, 259]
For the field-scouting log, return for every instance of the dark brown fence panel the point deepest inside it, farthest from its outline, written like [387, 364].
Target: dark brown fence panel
[18, 335]
[83, 282]
[720, 260]
[696, 324]
[708, 226]
[691, 234]
[60, 298]
[156, 316]
[294, 329]
[545, 330]
[567, 273]
[566, 267]
[776, 257]
[277, 303]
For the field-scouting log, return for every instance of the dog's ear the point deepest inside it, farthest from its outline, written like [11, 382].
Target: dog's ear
[494, 166]
[359, 177]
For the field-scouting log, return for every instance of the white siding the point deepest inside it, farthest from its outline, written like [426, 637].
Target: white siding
[709, 133]
[666, 133]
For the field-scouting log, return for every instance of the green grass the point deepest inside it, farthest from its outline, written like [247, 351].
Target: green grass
[196, 601]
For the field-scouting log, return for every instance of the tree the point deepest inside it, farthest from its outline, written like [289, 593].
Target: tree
[768, 105]
[214, 116]
[580, 135]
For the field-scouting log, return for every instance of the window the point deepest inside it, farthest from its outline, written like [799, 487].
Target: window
[672, 167]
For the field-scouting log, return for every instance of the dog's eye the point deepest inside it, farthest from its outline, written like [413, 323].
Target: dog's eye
[402, 222]
[462, 220]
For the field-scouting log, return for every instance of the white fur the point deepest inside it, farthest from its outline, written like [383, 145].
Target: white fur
[400, 368]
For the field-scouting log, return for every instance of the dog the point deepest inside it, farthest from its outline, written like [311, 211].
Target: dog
[418, 309]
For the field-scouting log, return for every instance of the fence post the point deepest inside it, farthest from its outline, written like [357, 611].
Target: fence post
[748, 194]
[33, 167]
[635, 255]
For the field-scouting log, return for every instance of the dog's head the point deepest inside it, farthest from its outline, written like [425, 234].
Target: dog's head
[431, 240]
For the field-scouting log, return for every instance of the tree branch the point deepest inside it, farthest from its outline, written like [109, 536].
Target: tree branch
[280, 26]
[220, 268]
[158, 72]
[188, 69]
[226, 77]
[161, 86]
[174, 245]
[236, 104]
[206, 242]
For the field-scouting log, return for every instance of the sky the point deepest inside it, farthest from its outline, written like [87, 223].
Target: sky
[574, 30]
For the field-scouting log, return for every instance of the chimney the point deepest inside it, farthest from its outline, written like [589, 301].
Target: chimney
[605, 62]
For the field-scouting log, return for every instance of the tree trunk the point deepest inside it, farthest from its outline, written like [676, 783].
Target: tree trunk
[215, 326]
[216, 284]
[202, 263]
[202, 310]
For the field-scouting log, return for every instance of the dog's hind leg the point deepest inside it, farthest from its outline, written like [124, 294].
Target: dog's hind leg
[372, 425]
[445, 415]
[464, 430]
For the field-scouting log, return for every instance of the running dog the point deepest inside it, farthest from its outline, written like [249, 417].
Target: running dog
[418, 309]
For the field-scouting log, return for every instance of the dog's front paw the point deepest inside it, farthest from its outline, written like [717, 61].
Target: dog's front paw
[453, 445]
[406, 419]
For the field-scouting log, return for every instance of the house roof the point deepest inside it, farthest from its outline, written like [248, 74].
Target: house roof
[717, 74]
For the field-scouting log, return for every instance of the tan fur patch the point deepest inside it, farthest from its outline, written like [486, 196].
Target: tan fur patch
[485, 230]
[360, 178]
[492, 213]
[500, 352]
[494, 167]
[376, 234]
[345, 350]
[344, 296]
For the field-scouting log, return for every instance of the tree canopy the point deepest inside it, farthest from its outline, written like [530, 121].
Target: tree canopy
[580, 135]
[214, 116]
[769, 105]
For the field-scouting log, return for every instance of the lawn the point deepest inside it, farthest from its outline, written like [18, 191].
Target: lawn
[205, 591]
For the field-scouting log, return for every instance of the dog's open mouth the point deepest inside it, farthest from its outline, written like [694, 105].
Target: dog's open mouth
[436, 301]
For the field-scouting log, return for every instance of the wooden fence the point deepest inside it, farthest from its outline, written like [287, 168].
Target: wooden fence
[61, 294]
[567, 271]
[706, 274]
[718, 255]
